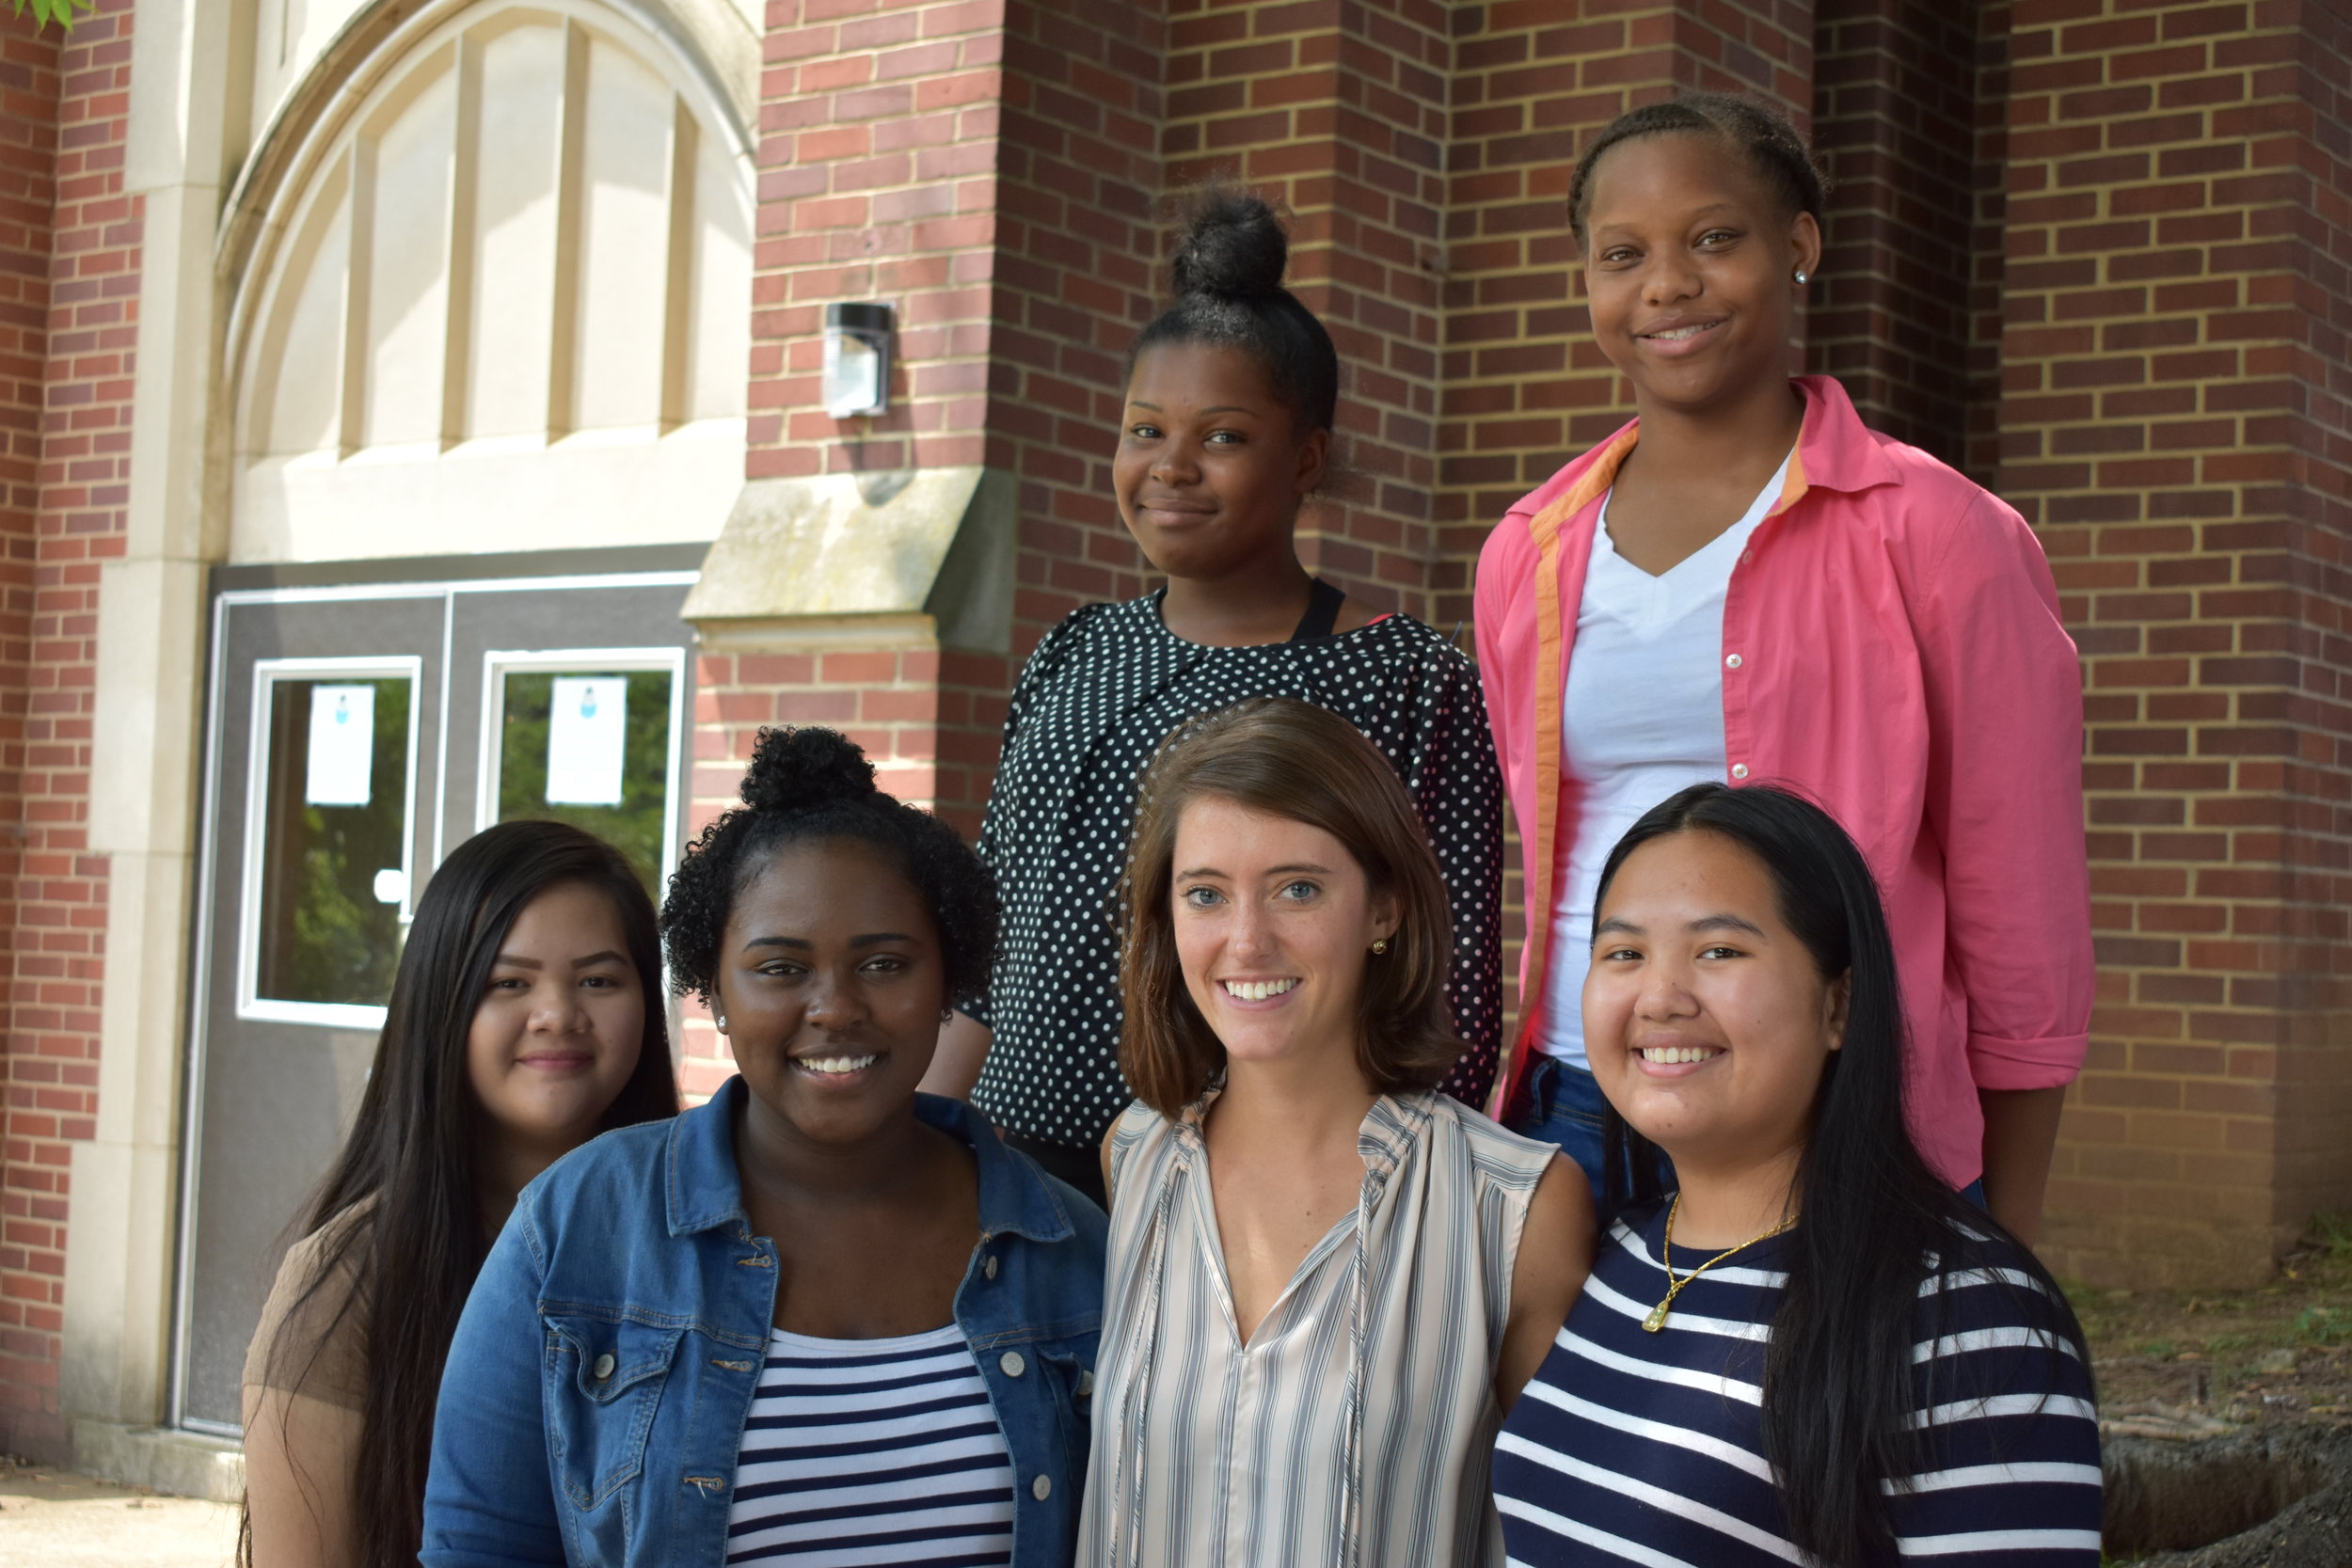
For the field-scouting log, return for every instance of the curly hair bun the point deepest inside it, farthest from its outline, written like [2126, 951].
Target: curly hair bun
[1233, 246]
[797, 769]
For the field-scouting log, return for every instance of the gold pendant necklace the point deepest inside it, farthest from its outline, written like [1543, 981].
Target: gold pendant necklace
[1657, 1318]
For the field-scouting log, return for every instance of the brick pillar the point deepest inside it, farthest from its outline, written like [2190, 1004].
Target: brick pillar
[1896, 307]
[1525, 389]
[68, 308]
[1340, 111]
[989, 169]
[2171, 421]
[1077, 273]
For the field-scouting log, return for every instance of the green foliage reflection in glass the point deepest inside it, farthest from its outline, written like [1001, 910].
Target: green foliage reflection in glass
[325, 935]
[635, 827]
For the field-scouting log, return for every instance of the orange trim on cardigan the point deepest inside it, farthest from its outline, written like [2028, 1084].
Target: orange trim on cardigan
[1551, 673]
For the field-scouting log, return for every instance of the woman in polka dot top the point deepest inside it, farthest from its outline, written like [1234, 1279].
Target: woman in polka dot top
[1231, 402]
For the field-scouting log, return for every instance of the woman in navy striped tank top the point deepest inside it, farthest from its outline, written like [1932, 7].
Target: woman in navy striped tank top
[1810, 1350]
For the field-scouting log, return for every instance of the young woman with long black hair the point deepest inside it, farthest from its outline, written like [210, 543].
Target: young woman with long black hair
[1811, 1350]
[525, 1018]
[1747, 583]
[822, 1319]
[1232, 398]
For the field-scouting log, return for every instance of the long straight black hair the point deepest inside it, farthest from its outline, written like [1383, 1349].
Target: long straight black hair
[414, 1151]
[1874, 1221]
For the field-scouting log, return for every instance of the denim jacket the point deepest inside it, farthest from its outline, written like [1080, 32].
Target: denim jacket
[595, 1394]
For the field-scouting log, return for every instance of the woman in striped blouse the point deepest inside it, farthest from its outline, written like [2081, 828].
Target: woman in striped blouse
[1812, 1350]
[1313, 1320]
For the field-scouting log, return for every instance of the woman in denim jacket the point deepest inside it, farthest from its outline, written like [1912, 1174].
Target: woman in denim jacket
[822, 1315]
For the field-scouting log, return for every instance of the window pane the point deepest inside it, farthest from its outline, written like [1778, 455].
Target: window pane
[334, 820]
[636, 826]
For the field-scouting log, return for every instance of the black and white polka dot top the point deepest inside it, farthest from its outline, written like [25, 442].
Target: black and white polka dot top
[1095, 700]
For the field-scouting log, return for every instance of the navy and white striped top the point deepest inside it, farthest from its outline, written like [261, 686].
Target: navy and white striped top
[871, 1451]
[1631, 1447]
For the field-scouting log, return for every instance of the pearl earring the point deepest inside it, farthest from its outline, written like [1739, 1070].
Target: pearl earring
[1800, 277]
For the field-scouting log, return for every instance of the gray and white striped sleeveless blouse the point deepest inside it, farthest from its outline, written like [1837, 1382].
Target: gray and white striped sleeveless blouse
[1356, 1428]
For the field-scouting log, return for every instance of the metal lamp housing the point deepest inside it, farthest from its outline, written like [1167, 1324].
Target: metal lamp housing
[857, 360]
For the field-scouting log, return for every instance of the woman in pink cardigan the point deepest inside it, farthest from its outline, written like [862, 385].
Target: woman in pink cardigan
[1746, 584]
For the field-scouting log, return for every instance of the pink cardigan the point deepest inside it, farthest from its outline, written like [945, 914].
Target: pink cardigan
[1891, 648]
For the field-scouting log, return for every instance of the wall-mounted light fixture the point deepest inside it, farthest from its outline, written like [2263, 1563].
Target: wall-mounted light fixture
[857, 359]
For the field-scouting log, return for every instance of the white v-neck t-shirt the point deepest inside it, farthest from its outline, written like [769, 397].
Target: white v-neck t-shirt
[1642, 719]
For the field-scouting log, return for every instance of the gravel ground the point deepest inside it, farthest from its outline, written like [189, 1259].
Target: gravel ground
[2191, 1363]
[56, 1519]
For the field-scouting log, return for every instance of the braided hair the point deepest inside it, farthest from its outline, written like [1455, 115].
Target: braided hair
[812, 783]
[1759, 132]
[1228, 295]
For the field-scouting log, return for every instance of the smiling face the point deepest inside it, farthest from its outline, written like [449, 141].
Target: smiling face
[558, 1030]
[1708, 1024]
[832, 983]
[1274, 924]
[1209, 470]
[1689, 263]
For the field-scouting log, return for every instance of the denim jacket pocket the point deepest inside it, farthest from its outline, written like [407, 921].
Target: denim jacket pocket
[605, 1377]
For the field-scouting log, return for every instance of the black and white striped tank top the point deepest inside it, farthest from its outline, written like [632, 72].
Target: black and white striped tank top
[871, 1451]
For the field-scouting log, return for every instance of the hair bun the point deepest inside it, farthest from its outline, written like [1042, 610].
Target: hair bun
[794, 769]
[1233, 244]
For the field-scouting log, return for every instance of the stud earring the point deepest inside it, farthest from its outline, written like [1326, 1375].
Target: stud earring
[1381, 945]
[1801, 275]
[721, 1019]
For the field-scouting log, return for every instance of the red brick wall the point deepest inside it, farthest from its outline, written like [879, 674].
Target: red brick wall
[2083, 242]
[60, 896]
[2313, 823]
[1078, 271]
[990, 169]
[878, 152]
[30, 1258]
[877, 143]
[1340, 111]
[1988, 244]
[1893, 307]
[2172, 419]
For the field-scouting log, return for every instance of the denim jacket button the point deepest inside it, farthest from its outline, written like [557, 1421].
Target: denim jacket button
[1042, 1488]
[603, 1368]
[1013, 1364]
[988, 1265]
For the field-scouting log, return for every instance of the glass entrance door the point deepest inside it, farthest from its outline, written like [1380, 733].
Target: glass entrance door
[356, 736]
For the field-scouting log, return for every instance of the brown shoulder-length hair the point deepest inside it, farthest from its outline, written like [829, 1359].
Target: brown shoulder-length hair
[1293, 760]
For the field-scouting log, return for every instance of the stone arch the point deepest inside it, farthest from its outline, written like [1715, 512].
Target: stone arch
[486, 286]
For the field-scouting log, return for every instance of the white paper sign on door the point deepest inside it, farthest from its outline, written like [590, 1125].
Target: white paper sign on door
[587, 736]
[341, 758]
